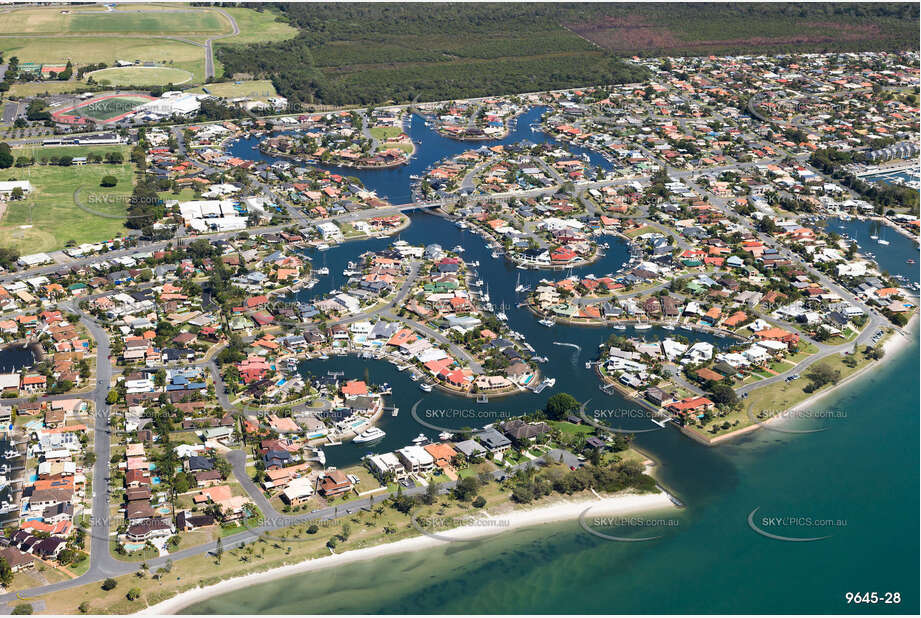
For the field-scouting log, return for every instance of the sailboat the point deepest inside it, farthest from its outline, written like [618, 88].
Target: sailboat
[519, 287]
[501, 314]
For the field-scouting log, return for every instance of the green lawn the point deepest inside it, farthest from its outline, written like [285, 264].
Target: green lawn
[571, 428]
[147, 76]
[37, 152]
[257, 26]
[57, 20]
[784, 395]
[32, 89]
[204, 22]
[92, 49]
[49, 217]
[254, 89]
[383, 133]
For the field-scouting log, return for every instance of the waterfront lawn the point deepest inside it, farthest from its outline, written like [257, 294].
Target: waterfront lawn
[782, 395]
[385, 133]
[41, 575]
[645, 229]
[571, 428]
[48, 217]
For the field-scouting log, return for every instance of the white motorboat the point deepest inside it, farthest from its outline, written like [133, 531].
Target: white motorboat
[322, 246]
[425, 386]
[668, 326]
[547, 322]
[458, 249]
[369, 435]
[445, 435]
[619, 327]
[323, 271]
[420, 439]
[883, 242]
[643, 326]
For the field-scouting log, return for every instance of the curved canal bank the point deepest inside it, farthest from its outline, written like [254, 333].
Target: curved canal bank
[560, 568]
[861, 471]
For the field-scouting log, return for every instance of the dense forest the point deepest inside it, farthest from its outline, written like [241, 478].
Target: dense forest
[377, 52]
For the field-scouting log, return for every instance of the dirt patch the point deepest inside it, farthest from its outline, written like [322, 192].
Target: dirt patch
[632, 34]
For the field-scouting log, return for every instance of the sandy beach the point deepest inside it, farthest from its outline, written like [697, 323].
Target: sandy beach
[520, 518]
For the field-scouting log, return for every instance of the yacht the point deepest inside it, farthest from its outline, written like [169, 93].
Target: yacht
[420, 439]
[445, 435]
[874, 237]
[317, 454]
[519, 287]
[458, 249]
[425, 386]
[323, 271]
[619, 327]
[322, 246]
[369, 435]
[883, 242]
[547, 322]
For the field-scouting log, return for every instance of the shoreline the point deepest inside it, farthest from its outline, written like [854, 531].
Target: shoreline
[564, 510]
[892, 347]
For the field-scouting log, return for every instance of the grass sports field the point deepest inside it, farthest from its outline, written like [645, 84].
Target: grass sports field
[92, 49]
[60, 20]
[140, 76]
[49, 217]
[92, 34]
[101, 109]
